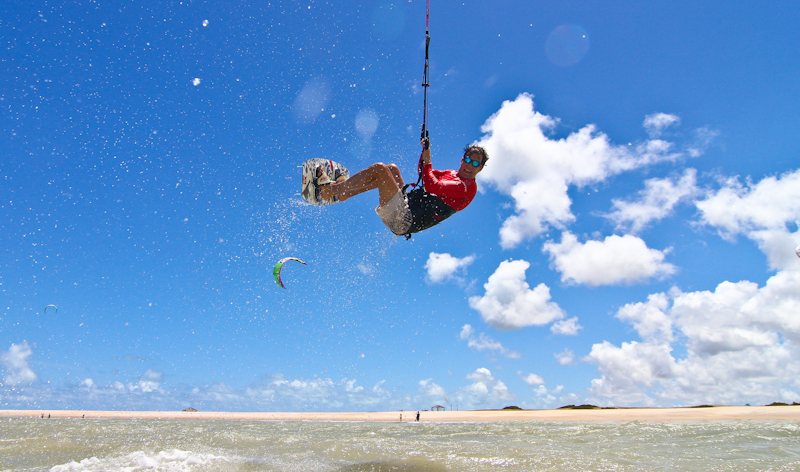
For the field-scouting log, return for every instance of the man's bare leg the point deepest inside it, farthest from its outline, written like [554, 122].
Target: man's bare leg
[396, 174]
[386, 179]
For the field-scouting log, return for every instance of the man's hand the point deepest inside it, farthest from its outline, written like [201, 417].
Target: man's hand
[426, 151]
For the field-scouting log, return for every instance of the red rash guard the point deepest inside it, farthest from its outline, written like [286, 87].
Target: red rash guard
[456, 192]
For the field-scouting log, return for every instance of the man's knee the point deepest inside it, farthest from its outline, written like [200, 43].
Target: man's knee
[382, 168]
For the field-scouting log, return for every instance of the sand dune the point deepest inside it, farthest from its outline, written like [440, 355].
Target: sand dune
[718, 413]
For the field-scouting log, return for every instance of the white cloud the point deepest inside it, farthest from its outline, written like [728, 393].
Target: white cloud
[442, 267]
[764, 212]
[702, 139]
[737, 209]
[656, 123]
[484, 342]
[481, 374]
[466, 331]
[649, 319]
[500, 392]
[531, 379]
[485, 391]
[536, 171]
[277, 392]
[480, 391]
[429, 388]
[280, 391]
[568, 327]
[509, 303]
[565, 357]
[15, 362]
[615, 260]
[629, 369]
[149, 383]
[653, 203]
[741, 344]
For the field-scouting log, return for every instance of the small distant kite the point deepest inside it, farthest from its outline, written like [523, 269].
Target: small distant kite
[797, 251]
[48, 306]
[276, 271]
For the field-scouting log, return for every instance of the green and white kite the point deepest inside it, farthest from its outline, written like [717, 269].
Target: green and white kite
[276, 271]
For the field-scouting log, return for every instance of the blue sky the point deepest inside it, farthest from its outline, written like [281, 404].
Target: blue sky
[633, 241]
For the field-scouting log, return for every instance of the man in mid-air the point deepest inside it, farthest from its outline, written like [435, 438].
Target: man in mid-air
[445, 191]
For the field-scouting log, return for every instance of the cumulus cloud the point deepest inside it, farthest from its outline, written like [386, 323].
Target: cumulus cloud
[315, 393]
[615, 260]
[481, 375]
[656, 123]
[467, 331]
[653, 203]
[485, 387]
[740, 341]
[442, 267]
[765, 212]
[15, 362]
[483, 342]
[531, 379]
[649, 319]
[150, 382]
[565, 357]
[536, 170]
[275, 392]
[703, 137]
[430, 389]
[509, 303]
[568, 327]
[484, 391]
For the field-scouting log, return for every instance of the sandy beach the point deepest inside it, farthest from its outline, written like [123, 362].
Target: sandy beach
[717, 413]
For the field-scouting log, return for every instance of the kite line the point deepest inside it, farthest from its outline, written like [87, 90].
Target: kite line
[425, 84]
[425, 81]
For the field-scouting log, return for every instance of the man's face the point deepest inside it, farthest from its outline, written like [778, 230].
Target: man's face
[467, 169]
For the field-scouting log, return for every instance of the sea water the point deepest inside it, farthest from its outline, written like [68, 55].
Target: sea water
[62, 445]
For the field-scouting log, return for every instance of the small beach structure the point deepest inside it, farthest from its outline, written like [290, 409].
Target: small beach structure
[438, 408]
[190, 410]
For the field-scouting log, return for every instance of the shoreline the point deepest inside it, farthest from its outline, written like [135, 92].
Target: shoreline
[715, 413]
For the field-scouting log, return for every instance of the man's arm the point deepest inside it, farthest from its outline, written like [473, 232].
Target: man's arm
[426, 156]
[443, 187]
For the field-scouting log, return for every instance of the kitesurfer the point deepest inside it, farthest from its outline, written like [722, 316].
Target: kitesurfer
[443, 193]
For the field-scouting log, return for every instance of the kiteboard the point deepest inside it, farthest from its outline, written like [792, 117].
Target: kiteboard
[310, 189]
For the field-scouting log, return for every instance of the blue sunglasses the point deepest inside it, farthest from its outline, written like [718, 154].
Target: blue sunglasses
[474, 163]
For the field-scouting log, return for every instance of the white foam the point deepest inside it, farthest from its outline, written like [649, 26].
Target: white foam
[173, 460]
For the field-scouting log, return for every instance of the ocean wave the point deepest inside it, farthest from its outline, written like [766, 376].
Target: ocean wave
[166, 461]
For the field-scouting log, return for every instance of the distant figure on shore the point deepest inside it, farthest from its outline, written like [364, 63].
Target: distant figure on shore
[417, 416]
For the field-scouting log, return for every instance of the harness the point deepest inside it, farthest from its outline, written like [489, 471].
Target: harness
[427, 210]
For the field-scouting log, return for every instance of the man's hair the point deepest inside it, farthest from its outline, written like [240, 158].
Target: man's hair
[475, 150]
